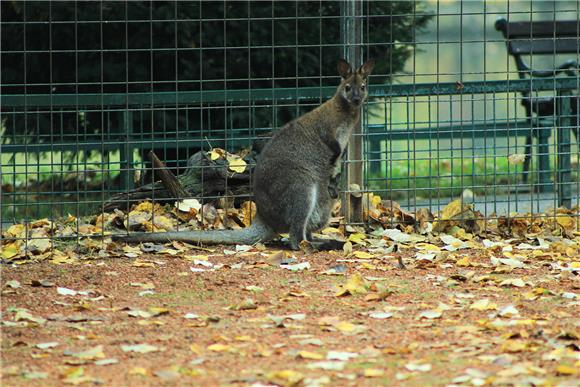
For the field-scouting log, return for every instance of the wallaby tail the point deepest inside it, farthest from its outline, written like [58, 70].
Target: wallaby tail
[257, 232]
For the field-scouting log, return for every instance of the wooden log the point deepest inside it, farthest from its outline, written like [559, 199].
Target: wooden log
[203, 177]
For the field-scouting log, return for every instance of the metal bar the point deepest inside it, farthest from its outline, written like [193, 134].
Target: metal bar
[275, 94]
[352, 38]
[564, 171]
[126, 151]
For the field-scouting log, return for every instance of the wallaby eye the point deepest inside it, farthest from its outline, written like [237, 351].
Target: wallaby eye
[347, 88]
[362, 87]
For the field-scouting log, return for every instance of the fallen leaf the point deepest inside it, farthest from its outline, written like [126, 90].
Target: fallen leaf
[297, 267]
[247, 304]
[517, 282]
[105, 362]
[23, 315]
[66, 292]
[420, 367]
[138, 371]
[139, 348]
[363, 255]
[513, 346]
[397, 235]
[509, 311]
[355, 284]
[564, 369]
[34, 375]
[219, 347]
[310, 355]
[327, 365]
[381, 315]
[342, 356]
[373, 373]
[287, 378]
[483, 304]
[430, 314]
[14, 284]
[88, 354]
[236, 164]
[49, 345]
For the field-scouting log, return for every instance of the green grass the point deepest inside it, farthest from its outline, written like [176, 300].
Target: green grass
[23, 168]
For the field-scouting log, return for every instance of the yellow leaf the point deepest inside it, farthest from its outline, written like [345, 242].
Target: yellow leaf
[347, 247]
[195, 349]
[355, 284]
[373, 373]
[513, 346]
[376, 199]
[358, 238]
[162, 223]
[15, 231]
[155, 311]
[345, 326]
[219, 347]
[349, 328]
[362, 255]
[427, 247]
[517, 282]
[563, 369]
[243, 338]
[236, 164]
[216, 153]
[10, 250]
[287, 378]
[138, 371]
[483, 304]
[575, 265]
[140, 263]
[330, 231]
[463, 262]
[93, 353]
[566, 222]
[249, 211]
[452, 209]
[144, 207]
[73, 372]
[310, 355]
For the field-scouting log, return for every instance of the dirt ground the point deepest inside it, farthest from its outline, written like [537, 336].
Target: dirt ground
[217, 317]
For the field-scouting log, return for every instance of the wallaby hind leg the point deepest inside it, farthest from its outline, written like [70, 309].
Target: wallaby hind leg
[300, 225]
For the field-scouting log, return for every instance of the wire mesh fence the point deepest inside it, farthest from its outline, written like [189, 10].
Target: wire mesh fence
[90, 88]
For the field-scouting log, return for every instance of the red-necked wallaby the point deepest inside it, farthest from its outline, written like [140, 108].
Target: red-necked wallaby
[295, 181]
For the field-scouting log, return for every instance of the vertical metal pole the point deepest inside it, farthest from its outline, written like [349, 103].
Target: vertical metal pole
[352, 39]
[564, 170]
[126, 152]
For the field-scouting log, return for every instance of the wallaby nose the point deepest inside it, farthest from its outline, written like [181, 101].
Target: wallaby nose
[356, 99]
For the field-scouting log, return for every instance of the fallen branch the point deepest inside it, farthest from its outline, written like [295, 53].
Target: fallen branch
[168, 179]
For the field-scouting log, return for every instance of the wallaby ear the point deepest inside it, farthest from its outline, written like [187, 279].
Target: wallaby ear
[344, 68]
[366, 69]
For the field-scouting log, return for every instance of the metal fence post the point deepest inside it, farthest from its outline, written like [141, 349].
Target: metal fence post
[352, 38]
[563, 173]
[126, 152]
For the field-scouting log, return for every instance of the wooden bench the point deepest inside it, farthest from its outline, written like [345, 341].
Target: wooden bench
[524, 38]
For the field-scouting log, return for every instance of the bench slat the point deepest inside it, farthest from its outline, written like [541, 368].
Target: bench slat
[544, 46]
[538, 29]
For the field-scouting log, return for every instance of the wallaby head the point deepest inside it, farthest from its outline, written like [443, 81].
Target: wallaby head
[353, 85]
